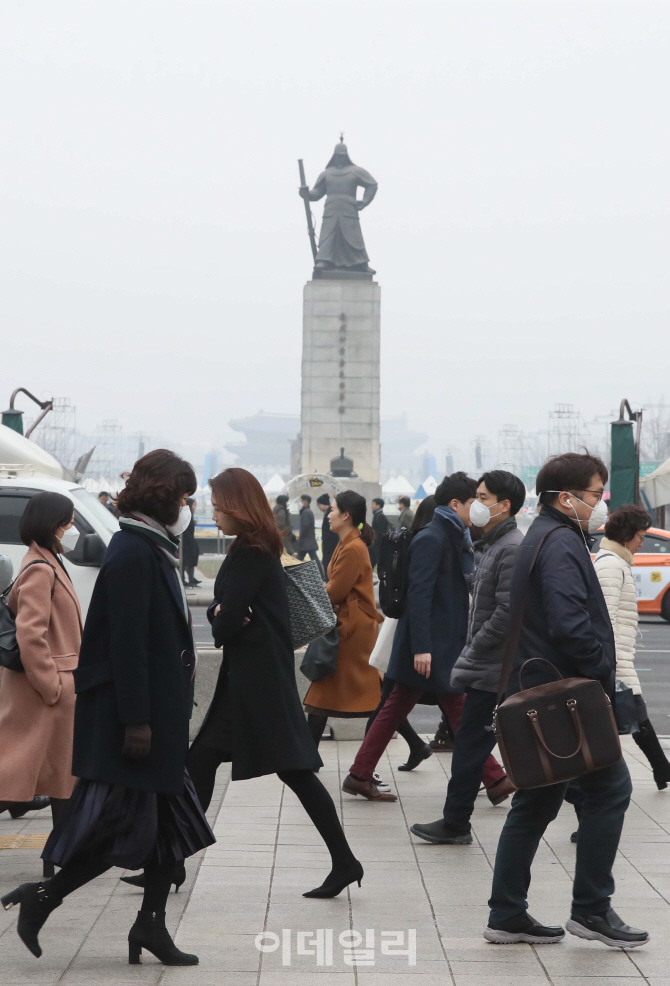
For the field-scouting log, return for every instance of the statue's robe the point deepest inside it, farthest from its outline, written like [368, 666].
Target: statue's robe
[341, 240]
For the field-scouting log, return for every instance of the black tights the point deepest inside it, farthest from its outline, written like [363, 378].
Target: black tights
[83, 868]
[204, 761]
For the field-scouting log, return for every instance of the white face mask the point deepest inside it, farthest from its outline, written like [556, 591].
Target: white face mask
[182, 521]
[599, 513]
[480, 514]
[68, 539]
[598, 516]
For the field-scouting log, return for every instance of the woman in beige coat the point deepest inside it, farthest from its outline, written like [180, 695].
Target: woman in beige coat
[624, 534]
[37, 706]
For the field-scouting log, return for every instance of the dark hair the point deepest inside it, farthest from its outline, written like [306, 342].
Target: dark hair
[44, 514]
[239, 494]
[156, 485]
[458, 486]
[282, 500]
[323, 499]
[103, 493]
[378, 500]
[405, 500]
[624, 523]
[307, 497]
[354, 504]
[506, 486]
[424, 513]
[572, 472]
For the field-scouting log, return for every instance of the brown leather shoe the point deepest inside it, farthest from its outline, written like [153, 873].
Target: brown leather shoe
[500, 791]
[367, 789]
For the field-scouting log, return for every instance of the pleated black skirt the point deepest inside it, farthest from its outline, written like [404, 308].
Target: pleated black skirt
[127, 827]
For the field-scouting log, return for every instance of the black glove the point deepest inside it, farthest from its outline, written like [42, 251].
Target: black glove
[137, 743]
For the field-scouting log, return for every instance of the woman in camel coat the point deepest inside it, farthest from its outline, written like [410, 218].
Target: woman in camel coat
[353, 690]
[37, 706]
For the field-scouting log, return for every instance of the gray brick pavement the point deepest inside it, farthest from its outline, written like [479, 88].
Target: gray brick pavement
[251, 881]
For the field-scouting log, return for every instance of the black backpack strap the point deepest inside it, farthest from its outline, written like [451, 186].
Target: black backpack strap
[517, 618]
[38, 561]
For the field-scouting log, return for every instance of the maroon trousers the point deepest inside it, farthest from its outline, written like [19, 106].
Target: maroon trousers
[397, 707]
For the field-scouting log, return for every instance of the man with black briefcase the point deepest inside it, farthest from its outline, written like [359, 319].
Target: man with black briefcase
[564, 631]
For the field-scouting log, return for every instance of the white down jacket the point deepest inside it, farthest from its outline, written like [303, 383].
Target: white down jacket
[613, 564]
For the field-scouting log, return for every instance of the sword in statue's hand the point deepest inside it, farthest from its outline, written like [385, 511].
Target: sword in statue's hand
[304, 190]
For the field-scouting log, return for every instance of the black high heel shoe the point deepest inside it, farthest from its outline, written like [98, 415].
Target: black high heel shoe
[416, 757]
[36, 906]
[149, 932]
[177, 879]
[19, 808]
[337, 880]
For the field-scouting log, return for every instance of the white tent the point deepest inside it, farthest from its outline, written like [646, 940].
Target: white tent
[427, 488]
[655, 487]
[274, 485]
[398, 486]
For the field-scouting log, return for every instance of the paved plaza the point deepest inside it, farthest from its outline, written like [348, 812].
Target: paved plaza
[251, 881]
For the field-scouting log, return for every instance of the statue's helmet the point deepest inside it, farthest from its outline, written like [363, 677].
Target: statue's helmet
[340, 155]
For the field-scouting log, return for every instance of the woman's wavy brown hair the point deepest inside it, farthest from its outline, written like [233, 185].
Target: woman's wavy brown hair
[239, 494]
[156, 486]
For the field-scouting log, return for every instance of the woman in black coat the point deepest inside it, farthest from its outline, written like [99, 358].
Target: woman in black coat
[134, 805]
[190, 550]
[256, 718]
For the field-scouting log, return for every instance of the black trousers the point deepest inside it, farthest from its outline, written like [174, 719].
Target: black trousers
[474, 743]
[606, 796]
[314, 556]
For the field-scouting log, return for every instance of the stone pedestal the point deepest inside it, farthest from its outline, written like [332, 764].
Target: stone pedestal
[340, 375]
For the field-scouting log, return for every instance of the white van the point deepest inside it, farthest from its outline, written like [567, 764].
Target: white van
[94, 522]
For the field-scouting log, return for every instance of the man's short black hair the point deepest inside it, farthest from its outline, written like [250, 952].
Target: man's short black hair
[103, 493]
[506, 486]
[306, 497]
[458, 486]
[572, 472]
[323, 499]
[404, 501]
[379, 500]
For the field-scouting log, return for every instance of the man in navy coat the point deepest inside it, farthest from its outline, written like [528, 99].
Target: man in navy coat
[432, 630]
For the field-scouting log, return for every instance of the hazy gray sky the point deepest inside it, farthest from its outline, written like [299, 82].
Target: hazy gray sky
[153, 243]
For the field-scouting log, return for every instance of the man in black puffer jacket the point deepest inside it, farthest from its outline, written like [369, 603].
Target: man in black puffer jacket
[500, 496]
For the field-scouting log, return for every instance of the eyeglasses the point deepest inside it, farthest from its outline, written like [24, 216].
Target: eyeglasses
[598, 493]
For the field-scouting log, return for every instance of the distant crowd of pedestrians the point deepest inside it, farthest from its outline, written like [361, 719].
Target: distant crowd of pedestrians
[95, 719]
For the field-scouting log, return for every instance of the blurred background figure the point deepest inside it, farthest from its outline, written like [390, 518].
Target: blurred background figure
[37, 706]
[283, 519]
[307, 536]
[380, 526]
[190, 552]
[329, 539]
[406, 515]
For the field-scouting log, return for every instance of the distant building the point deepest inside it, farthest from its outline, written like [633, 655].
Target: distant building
[270, 437]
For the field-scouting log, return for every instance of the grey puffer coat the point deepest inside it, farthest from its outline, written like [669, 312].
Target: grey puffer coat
[480, 661]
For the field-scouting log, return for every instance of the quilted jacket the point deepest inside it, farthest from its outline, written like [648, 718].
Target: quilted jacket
[613, 565]
[480, 661]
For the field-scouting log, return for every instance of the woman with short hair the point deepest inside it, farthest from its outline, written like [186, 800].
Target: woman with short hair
[624, 534]
[37, 706]
[255, 719]
[134, 805]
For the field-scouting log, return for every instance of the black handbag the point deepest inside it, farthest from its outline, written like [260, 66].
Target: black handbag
[310, 609]
[553, 732]
[10, 656]
[625, 713]
[320, 658]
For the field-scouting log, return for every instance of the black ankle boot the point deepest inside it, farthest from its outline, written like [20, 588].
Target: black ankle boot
[149, 932]
[337, 880]
[177, 879]
[648, 742]
[36, 906]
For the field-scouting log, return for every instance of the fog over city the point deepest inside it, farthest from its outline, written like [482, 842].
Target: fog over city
[154, 248]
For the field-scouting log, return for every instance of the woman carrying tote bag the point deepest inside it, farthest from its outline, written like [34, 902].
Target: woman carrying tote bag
[353, 690]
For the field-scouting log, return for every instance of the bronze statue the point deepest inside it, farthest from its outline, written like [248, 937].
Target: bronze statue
[341, 245]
